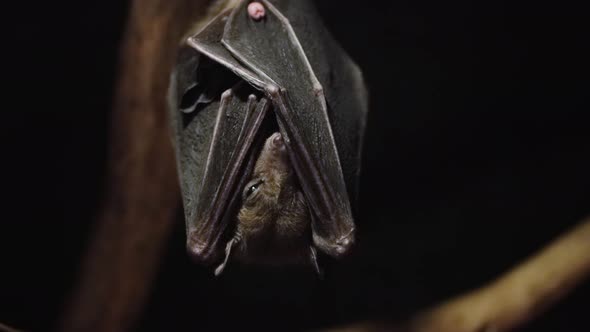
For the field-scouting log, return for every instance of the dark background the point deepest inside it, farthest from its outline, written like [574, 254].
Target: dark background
[477, 154]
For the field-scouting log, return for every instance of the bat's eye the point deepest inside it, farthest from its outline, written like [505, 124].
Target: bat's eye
[251, 188]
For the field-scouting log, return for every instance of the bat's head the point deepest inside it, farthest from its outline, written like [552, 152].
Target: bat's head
[260, 197]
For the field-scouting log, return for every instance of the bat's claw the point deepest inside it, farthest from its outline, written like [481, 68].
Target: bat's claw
[314, 260]
[228, 249]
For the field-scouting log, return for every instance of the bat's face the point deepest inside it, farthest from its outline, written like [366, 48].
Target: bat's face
[256, 69]
[263, 197]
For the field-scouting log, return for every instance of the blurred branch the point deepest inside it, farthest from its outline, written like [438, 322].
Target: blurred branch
[6, 328]
[512, 300]
[142, 196]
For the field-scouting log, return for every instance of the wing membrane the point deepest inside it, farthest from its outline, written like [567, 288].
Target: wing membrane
[279, 59]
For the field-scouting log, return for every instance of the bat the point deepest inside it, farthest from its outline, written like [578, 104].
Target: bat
[268, 116]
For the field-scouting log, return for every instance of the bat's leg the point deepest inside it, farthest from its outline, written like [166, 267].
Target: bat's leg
[233, 242]
[314, 260]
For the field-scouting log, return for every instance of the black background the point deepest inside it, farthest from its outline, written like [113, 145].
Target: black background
[477, 154]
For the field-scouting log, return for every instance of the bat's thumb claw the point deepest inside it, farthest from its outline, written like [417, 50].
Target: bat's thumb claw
[219, 269]
[316, 265]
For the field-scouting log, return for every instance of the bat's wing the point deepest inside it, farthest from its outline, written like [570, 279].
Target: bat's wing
[274, 51]
[208, 43]
[319, 99]
[343, 84]
[215, 119]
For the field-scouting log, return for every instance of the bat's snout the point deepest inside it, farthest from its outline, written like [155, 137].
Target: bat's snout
[277, 140]
[277, 143]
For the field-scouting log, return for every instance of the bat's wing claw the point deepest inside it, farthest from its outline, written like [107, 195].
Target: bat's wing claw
[314, 260]
[232, 243]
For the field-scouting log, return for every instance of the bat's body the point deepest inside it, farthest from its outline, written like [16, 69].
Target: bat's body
[260, 68]
[273, 224]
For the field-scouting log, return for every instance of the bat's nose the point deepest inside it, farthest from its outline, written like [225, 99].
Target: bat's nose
[277, 140]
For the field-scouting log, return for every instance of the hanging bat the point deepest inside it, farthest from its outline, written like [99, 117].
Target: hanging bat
[268, 115]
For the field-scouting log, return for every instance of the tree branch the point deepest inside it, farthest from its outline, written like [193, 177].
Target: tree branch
[6, 328]
[512, 300]
[142, 195]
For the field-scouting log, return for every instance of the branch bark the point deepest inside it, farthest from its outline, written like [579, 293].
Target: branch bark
[513, 299]
[142, 196]
[6, 328]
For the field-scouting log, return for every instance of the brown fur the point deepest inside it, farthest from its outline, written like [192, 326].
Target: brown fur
[274, 220]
